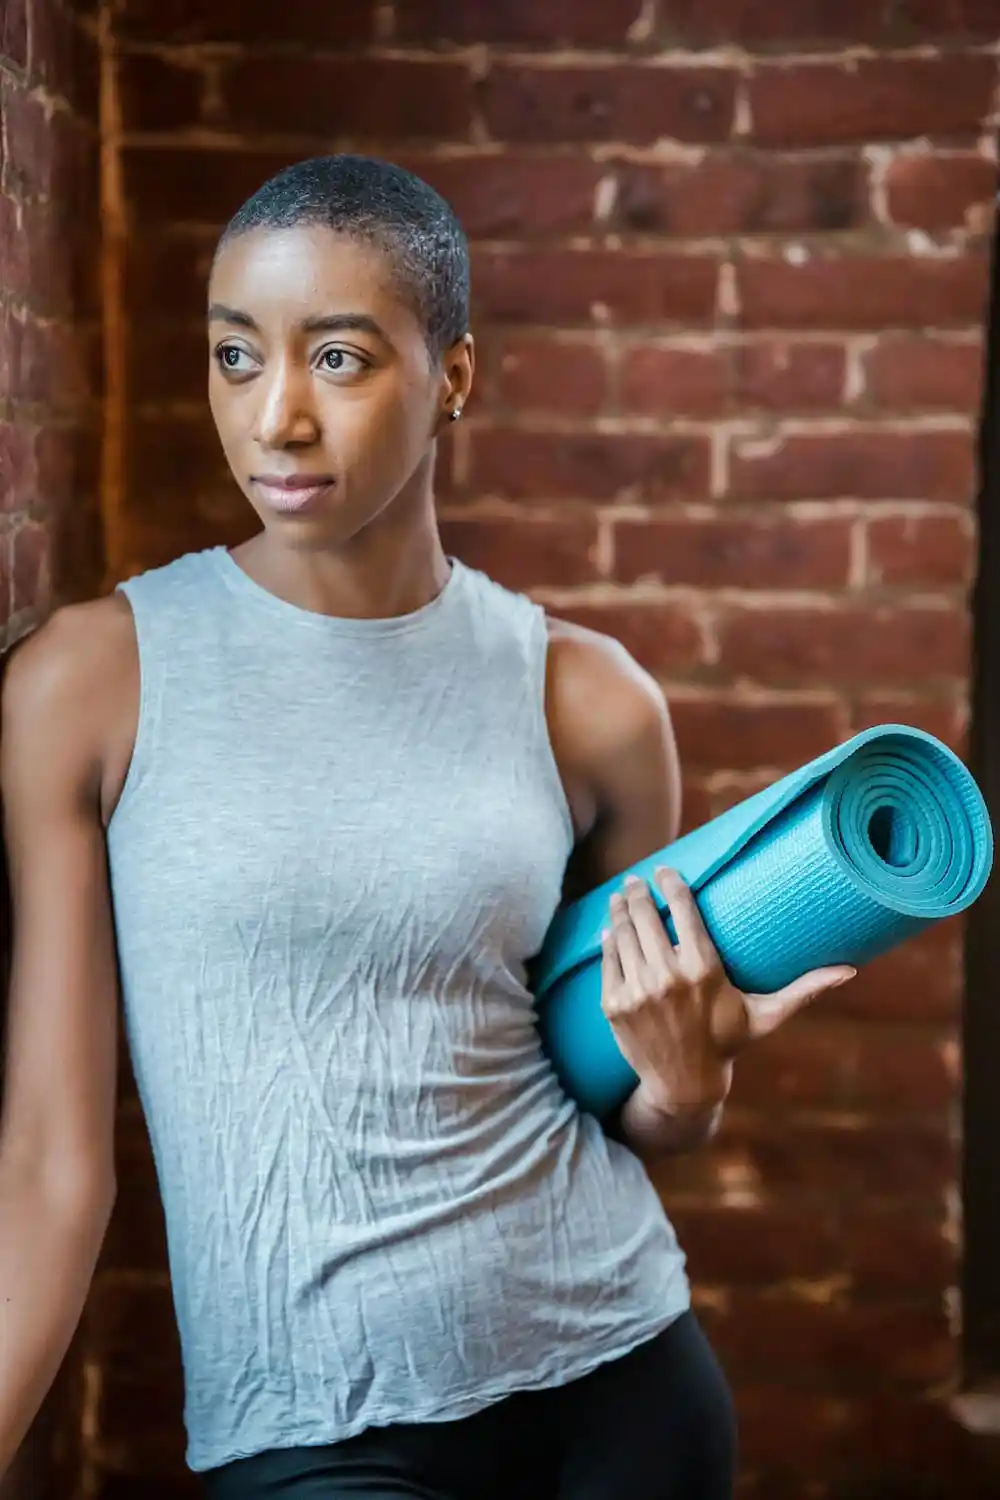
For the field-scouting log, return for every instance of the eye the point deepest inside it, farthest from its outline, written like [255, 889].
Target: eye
[229, 357]
[337, 361]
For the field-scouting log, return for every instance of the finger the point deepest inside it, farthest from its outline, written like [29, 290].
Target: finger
[692, 934]
[611, 969]
[654, 940]
[626, 940]
[768, 1012]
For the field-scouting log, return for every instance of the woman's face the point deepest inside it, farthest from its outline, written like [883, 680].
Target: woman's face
[321, 384]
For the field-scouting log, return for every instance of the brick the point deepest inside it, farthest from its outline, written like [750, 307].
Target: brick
[65, 58]
[856, 464]
[594, 286]
[167, 276]
[696, 801]
[732, 787]
[850, 1348]
[723, 733]
[884, 99]
[78, 560]
[946, 717]
[918, 982]
[735, 552]
[873, 1239]
[518, 465]
[298, 22]
[67, 460]
[554, 23]
[165, 457]
[193, 185]
[770, 1242]
[617, 103]
[158, 94]
[13, 250]
[30, 566]
[14, 33]
[745, 194]
[808, 1440]
[663, 638]
[76, 182]
[661, 381]
[938, 192]
[780, 375]
[774, 374]
[377, 99]
[524, 554]
[910, 372]
[757, 1244]
[525, 372]
[797, 23]
[514, 195]
[922, 551]
[845, 645]
[19, 486]
[51, 365]
[913, 1439]
[83, 254]
[29, 164]
[165, 361]
[863, 292]
[952, 19]
[11, 335]
[849, 1159]
[51, 261]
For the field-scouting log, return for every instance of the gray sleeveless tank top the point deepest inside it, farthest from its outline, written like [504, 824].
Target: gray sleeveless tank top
[338, 843]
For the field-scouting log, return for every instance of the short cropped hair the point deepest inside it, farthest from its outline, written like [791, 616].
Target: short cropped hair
[390, 208]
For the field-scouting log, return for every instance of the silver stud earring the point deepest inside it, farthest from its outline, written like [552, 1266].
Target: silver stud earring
[455, 413]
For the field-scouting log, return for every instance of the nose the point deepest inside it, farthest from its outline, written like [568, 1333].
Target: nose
[287, 414]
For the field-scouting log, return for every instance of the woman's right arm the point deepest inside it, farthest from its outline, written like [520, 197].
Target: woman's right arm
[57, 1102]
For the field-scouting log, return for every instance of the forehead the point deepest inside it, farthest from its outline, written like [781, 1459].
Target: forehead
[287, 275]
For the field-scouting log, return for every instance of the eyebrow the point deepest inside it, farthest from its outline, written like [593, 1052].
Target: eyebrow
[327, 323]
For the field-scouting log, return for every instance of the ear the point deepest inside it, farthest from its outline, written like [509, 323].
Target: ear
[458, 368]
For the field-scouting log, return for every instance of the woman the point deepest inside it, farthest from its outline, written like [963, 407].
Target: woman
[317, 799]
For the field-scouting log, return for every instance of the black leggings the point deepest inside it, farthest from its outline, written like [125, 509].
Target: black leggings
[657, 1424]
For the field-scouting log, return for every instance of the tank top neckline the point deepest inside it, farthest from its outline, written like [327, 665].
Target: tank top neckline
[436, 609]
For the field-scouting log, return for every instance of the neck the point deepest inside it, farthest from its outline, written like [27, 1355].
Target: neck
[394, 566]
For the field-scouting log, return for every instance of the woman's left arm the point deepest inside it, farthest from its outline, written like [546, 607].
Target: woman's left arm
[676, 1017]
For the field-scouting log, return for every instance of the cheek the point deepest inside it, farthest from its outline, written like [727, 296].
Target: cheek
[384, 434]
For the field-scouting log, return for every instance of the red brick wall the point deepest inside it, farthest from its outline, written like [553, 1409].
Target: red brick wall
[729, 286]
[50, 332]
[50, 418]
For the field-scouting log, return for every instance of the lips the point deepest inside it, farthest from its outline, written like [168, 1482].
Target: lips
[292, 492]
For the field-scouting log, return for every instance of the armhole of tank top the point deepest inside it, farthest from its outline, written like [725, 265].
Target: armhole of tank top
[139, 759]
[539, 662]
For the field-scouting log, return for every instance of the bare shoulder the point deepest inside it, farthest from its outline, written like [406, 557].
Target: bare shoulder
[615, 747]
[63, 687]
[597, 686]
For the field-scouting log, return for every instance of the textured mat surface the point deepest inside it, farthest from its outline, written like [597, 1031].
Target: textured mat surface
[836, 863]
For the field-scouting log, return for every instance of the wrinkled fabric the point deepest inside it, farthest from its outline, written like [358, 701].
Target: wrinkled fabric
[338, 844]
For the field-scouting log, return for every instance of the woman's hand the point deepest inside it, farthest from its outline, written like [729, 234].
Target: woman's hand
[676, 1017]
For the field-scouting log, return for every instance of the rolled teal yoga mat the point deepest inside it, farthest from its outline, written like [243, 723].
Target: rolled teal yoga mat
[838, 862]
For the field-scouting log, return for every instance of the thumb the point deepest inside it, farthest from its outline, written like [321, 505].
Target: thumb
[767, 1012]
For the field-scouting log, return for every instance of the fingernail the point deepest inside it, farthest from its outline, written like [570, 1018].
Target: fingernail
[632, 881]
[846, 979]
